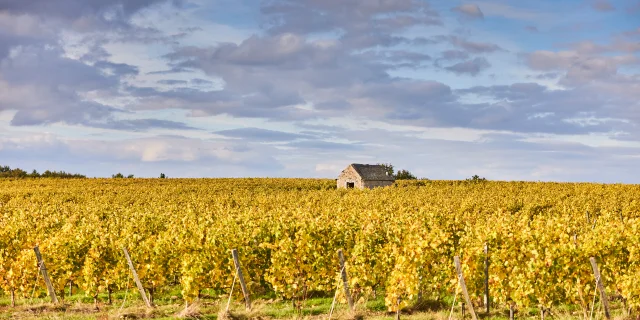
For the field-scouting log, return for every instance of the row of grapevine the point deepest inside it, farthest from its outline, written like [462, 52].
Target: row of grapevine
[399, 240]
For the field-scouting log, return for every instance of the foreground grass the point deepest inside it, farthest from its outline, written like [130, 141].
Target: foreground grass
[129, 306]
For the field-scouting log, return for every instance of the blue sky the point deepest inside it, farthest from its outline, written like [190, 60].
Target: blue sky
[509, 90]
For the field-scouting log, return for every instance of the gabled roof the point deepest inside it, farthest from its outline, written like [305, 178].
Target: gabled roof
[372, 172]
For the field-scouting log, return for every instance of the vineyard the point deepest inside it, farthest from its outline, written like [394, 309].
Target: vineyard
[398, 241]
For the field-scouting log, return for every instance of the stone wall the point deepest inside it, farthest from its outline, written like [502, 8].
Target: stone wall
[376, 184]
[349, 175]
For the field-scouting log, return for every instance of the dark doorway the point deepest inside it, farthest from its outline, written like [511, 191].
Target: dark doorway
[351, 185]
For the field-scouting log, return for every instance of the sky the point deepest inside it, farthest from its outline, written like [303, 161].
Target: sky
[542, 90]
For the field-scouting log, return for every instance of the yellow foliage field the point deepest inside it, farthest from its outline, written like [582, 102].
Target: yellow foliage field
[399, 240]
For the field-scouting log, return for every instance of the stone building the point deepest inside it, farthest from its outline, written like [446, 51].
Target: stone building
[364, 176]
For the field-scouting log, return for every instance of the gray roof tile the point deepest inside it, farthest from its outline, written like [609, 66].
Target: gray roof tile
[372, 172]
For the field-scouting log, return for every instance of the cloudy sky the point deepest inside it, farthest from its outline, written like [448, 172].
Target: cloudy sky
[509, 90]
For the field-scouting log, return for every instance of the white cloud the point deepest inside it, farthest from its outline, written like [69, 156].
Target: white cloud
[513, 12]
[469, 10]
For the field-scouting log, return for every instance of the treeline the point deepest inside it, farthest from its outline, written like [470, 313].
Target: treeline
[7, 172]
[400, 175]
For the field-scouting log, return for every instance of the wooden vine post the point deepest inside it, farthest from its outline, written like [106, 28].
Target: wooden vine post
[603, 294]
[463, 286]
[487, 300]
[137, 279]
[512, 311]
[345, 279]
[45, 275]
[243, 285]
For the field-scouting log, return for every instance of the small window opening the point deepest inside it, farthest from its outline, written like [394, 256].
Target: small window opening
[351, 185]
